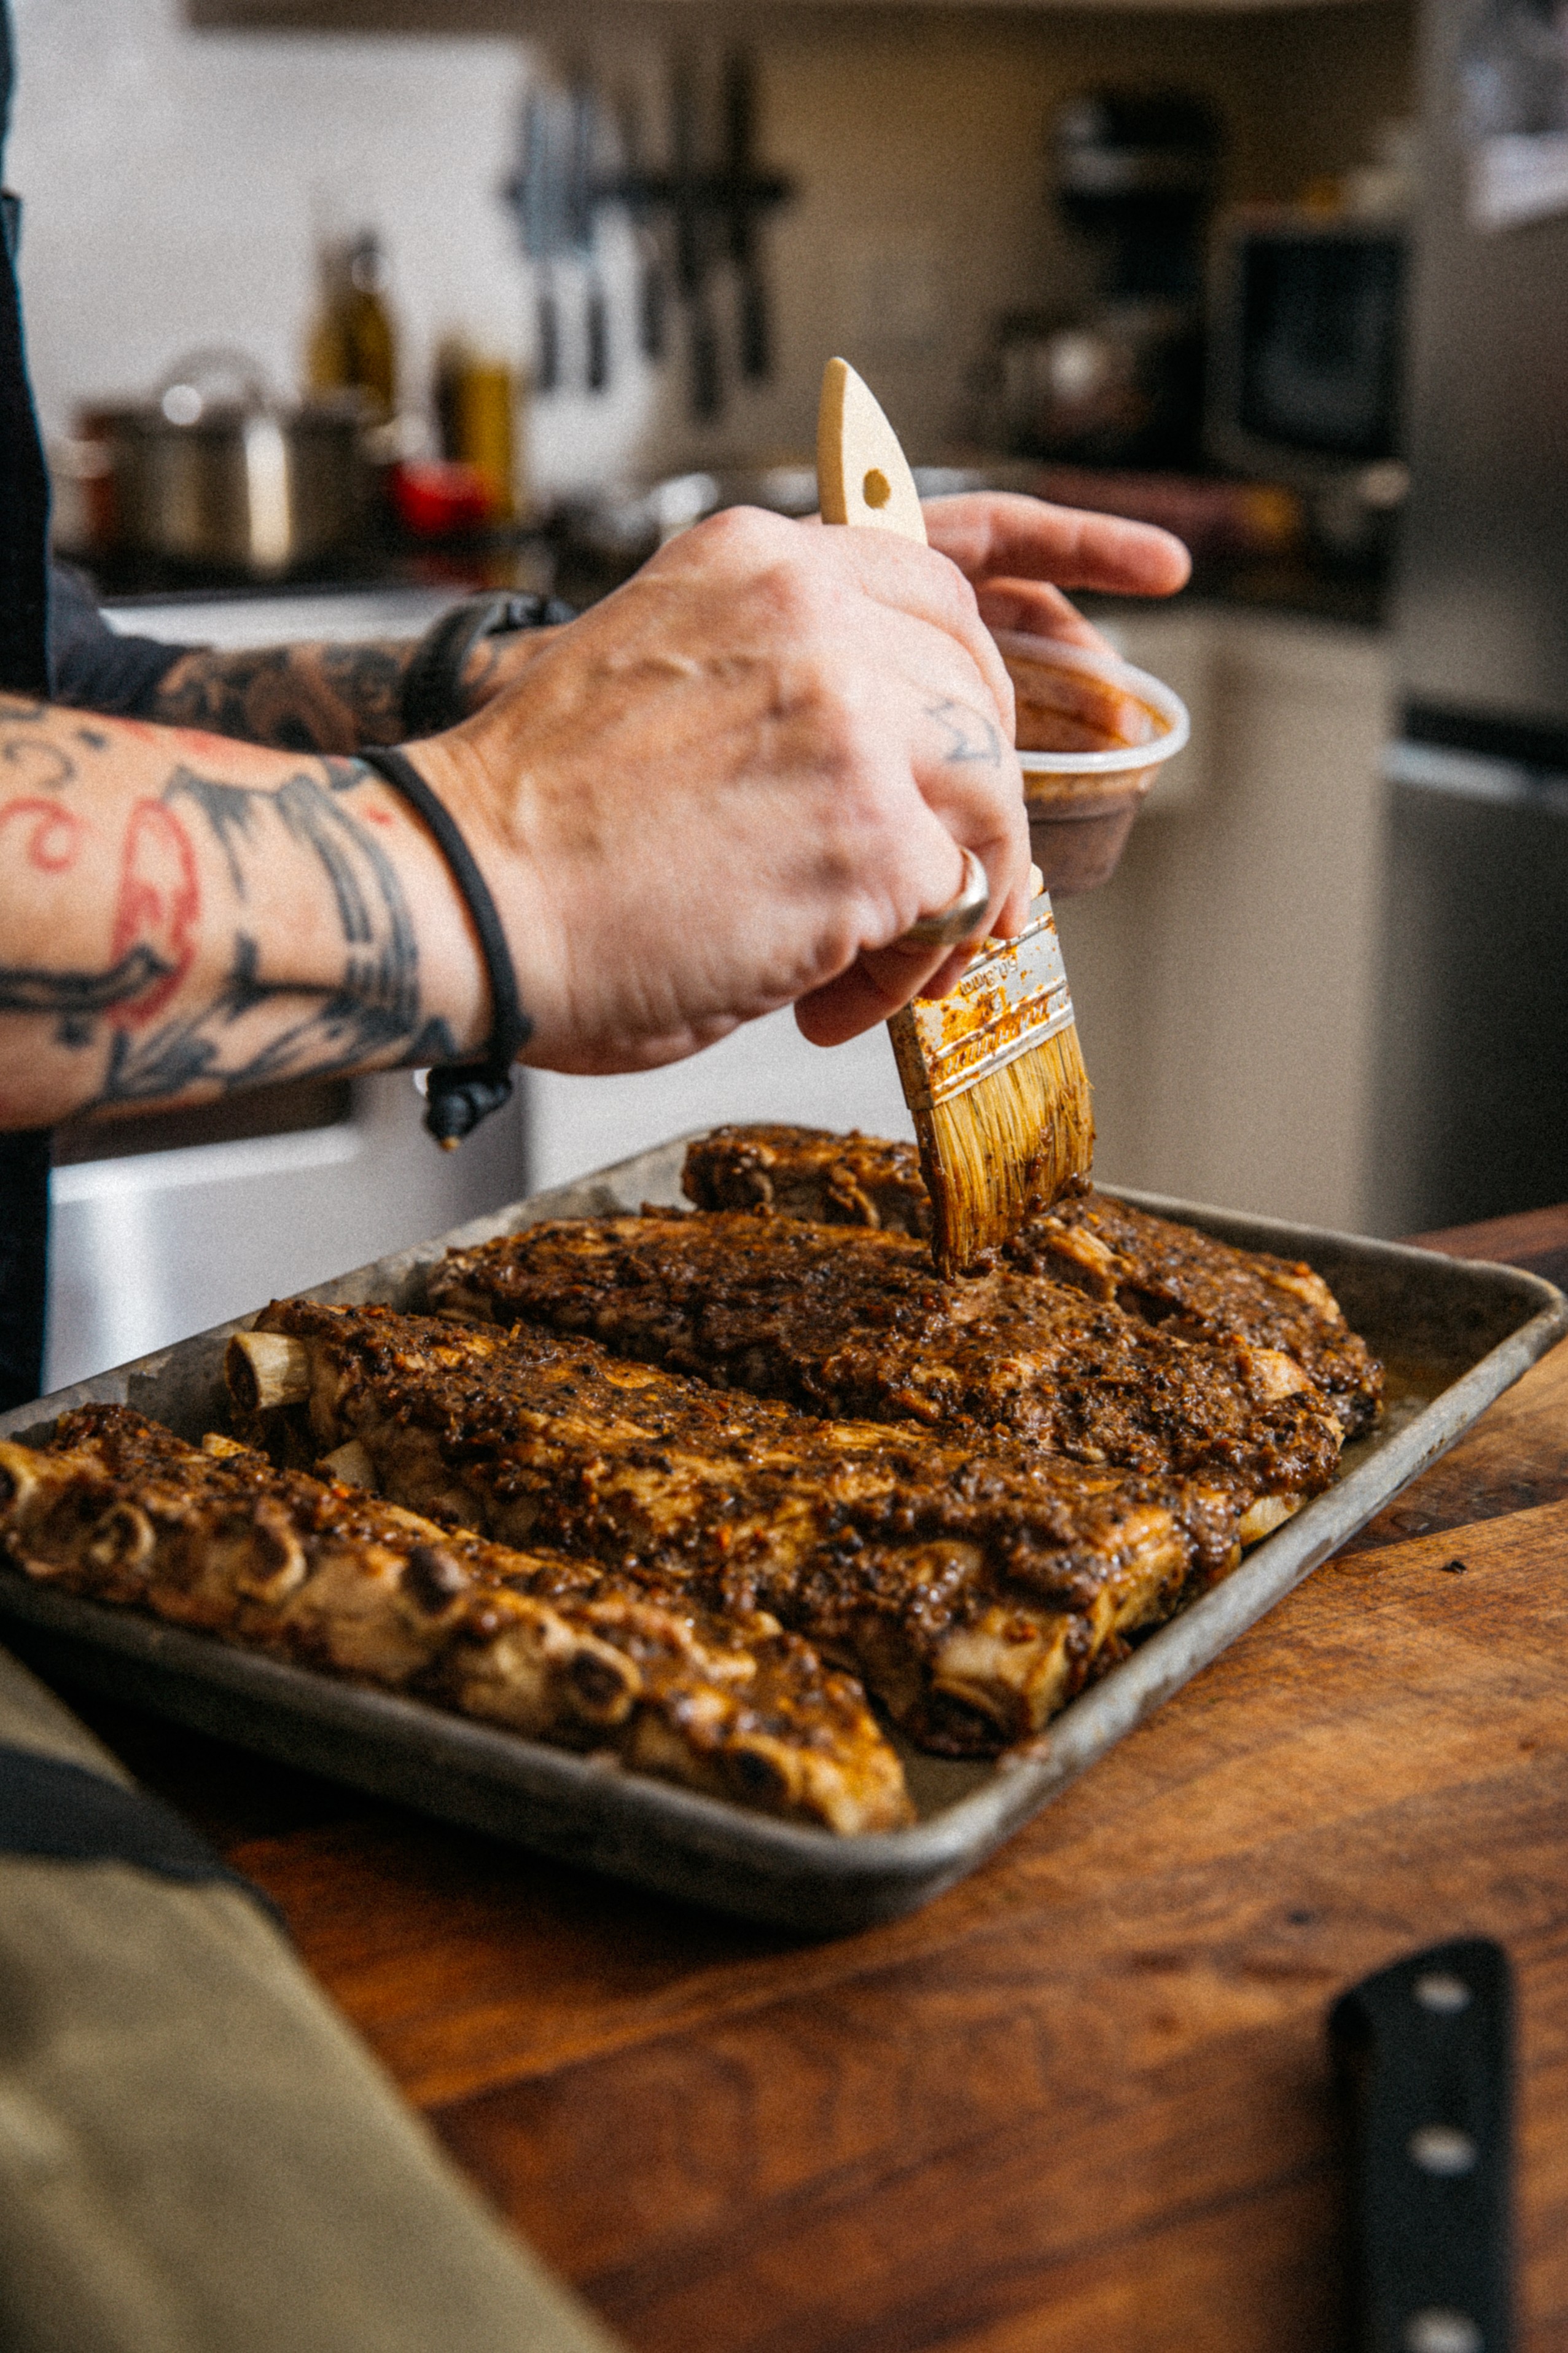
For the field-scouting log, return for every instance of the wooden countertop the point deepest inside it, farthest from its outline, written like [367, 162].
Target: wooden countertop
[1080, 2104]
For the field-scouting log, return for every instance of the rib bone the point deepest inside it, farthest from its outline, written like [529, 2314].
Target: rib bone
[267, 1370]
[118, 1509]
[882, 1547]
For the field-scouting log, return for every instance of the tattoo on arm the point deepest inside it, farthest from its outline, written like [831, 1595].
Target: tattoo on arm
[73, 997]
[254, 1027]
[303, 698]
[972, 738]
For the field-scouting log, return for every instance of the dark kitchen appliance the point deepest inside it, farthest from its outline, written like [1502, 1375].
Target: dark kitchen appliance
[1305, 359]
[1122, 383]
[1472, 1110]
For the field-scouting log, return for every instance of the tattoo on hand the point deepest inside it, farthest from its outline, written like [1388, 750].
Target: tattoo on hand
[972, 738]
[45, 766]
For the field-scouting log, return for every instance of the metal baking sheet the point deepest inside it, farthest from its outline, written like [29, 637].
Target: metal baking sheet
[1454, 1333]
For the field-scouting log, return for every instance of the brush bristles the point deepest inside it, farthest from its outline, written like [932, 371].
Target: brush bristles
[1007, 1146]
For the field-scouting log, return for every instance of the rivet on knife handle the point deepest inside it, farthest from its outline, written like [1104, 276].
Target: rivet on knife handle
[1425, 2055]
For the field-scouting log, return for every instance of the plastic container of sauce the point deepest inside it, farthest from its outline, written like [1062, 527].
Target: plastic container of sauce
[1093, 734]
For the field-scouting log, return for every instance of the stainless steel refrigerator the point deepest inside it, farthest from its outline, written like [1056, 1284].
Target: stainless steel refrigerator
[1472, 1095]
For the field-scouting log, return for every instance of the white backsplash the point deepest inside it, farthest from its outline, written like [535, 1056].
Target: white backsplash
[172, 180]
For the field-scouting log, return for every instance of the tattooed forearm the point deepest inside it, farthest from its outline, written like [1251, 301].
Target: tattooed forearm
[304, 697]
[324, 698]
[173, 921]
[370, 1014]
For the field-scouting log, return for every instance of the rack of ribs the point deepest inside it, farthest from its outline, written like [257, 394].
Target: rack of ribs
[846, 1321]
[1165, 1274]
[328, 1576]
[973, 1593]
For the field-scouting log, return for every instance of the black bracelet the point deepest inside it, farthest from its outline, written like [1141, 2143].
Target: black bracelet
[457, 1095]
[432, 696]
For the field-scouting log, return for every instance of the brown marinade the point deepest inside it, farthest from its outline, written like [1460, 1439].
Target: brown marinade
[973, 1590]
[1165, 1274]
[853, 1322]
[223, 1541]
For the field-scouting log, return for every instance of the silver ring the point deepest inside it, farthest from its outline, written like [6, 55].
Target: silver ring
[958, 921]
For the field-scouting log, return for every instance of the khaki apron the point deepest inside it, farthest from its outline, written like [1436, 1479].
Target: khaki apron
[196, 2155]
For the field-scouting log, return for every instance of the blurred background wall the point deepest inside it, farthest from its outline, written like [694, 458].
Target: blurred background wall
[175, 179]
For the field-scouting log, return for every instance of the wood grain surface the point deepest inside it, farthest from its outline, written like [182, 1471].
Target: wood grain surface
[1081, 2101]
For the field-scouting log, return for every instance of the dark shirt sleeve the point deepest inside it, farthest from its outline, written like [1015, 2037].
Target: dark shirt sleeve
[93, 668]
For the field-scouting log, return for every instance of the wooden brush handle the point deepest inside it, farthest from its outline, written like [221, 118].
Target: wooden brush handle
[863, 479]
[862, 476]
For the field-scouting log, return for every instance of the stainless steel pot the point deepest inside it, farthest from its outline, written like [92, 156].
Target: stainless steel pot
[216, 470]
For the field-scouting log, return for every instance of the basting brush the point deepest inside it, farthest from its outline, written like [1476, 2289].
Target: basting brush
[993, 1072]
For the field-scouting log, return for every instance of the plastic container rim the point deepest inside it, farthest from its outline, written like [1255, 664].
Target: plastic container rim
[1163, 701]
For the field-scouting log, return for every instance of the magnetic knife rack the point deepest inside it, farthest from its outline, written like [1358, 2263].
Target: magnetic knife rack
[713, 210]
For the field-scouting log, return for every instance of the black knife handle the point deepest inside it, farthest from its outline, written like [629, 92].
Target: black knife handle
[547, 353]
[597, 325]
[651, 334]
[702, 356]
[1423, 2051]
[756, 341]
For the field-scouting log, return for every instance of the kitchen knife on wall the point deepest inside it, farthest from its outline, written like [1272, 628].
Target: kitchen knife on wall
[582, 211]
[692, 209]
[740, 173]
[1424, 2053]
[652, 304]
[534, 193]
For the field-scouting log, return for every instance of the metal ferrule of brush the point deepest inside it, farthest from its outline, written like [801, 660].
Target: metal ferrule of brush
[1012, 1000]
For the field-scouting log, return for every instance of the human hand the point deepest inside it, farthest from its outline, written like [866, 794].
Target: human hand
[1020, 554]
[733, 785]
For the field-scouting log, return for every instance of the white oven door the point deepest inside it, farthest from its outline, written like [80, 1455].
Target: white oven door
[149, 1246]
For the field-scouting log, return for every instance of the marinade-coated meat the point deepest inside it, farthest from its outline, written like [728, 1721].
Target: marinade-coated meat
[220, 1540]
[812, 1173]
[1202, 1289]
[1157, 1270]
[973, 1593]
[844, 1320]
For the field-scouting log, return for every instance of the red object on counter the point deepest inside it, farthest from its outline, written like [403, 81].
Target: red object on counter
[435, 497]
